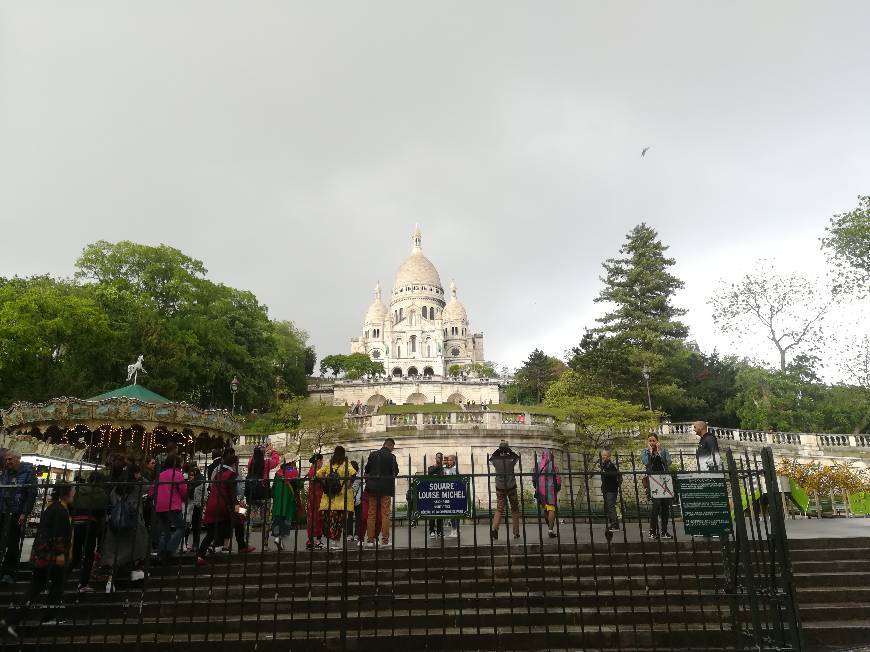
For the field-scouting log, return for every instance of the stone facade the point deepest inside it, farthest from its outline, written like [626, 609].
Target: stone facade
[414, 391]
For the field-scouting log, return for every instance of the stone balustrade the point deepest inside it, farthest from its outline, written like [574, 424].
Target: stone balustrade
[679, 433]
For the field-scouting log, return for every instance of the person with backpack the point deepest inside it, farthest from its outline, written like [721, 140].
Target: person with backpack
[547, 484]
[611, 479]
[337, 499]
[169, 494]
[89, 516]
[126, 541]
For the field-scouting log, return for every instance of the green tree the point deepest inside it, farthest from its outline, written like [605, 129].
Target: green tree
[311, 426]
[599, 422]
[847, 245]
[335, 364]
[641, 289]
[534, 377]
[51, 339]
[310, 360]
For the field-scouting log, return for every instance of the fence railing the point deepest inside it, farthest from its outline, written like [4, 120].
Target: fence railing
[536, 550]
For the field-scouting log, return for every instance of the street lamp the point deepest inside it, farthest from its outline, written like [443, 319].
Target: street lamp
[234, 387]
[646, 375]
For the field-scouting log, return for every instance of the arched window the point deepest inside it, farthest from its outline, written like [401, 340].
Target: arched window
[412, 318]
[425, 312]
[428, 348]
[413, 343]
[397, 372]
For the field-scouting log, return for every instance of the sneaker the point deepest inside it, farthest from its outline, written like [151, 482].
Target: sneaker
[516, 537]
[137, 575]
[86, 589]
[552, 534]
[493, 534]
[369, 544]
[667, 535]
[653, 535]
[110, 588]
[248, 549]
[431, 535]
[385, 543]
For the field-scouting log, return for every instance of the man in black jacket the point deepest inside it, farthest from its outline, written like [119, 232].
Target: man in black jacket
[611, 478]
[708, 448]
[380, 472]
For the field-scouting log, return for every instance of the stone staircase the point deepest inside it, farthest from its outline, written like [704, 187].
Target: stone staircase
[623, 597]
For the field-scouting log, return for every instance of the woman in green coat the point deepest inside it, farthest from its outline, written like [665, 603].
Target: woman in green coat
[285, 501]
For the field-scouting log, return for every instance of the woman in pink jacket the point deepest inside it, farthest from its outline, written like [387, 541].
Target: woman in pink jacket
[171, 492]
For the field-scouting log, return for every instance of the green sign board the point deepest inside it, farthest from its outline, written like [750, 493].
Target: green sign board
[704, 500]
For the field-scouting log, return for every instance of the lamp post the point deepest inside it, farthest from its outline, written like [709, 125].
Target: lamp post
[234, 387]
[646, 376]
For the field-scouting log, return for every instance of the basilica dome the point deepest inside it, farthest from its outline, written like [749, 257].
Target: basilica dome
[417, 269]
[454, 310]
[377, 312]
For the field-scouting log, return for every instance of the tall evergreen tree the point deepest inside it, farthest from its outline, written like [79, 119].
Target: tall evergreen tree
[642, 289]
[534, 377]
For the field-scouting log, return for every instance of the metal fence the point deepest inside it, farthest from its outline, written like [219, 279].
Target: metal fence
[435, 583]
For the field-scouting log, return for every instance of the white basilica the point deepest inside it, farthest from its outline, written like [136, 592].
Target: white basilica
[422, 333]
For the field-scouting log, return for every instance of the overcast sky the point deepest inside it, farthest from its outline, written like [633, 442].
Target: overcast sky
[292, 146]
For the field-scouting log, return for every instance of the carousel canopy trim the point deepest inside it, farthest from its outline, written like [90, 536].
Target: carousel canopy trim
[118, 411]
[133, 391]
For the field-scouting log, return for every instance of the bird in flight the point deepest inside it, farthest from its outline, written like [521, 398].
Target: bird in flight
[644, 151]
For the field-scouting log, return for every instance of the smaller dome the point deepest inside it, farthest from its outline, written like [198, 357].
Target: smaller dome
[377, 312]
[454, 310]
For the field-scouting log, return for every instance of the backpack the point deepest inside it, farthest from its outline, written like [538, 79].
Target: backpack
[122, 518]
[333, 484]
[90, 498]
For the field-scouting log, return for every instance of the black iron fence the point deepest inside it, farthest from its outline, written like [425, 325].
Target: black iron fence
[456, 558]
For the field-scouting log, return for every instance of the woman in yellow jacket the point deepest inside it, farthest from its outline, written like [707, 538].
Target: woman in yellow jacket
[337, 498]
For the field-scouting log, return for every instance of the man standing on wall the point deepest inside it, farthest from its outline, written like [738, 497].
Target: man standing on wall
[381, 471]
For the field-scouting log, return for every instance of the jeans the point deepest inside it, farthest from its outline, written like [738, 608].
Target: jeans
[661, 509]
[378, 504]
[171, 532]
[10, 543]
[610, 498]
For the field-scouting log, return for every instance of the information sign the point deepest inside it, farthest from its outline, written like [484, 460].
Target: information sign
[441, 496]
[705, 504]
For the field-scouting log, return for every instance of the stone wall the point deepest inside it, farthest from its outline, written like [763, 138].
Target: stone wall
[419, 391]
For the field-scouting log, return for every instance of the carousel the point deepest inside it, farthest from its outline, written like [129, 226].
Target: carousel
[131, 420]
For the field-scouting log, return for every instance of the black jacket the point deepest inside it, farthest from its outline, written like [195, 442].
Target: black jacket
[435, 470]
[708, 452]
[503, 464]
[611, 478]
[381, 471]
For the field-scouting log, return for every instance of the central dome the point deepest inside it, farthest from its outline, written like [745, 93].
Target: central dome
[417, 269]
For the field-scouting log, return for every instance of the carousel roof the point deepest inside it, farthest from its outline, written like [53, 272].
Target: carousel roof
[133, 391]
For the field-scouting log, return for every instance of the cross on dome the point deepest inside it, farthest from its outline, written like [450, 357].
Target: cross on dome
[417, 239]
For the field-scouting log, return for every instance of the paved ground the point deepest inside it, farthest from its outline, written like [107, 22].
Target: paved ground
[532, 533]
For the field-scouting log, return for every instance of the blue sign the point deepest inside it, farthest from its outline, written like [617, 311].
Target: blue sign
[441, 496]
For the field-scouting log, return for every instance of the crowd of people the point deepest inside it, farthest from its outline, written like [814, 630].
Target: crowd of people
[114, 520]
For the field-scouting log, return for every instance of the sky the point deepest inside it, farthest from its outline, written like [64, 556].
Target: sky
[292, 146]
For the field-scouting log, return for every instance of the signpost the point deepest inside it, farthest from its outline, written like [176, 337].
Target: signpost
[705, 505]
[441, 496]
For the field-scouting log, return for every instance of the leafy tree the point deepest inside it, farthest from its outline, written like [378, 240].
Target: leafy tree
[128, 299]
[532, 379]
[454, 370]
[311, 426]
[335, 364]
[787, 309]
[847, 244]
[478, 369]
[51, 340]
[600, 422]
